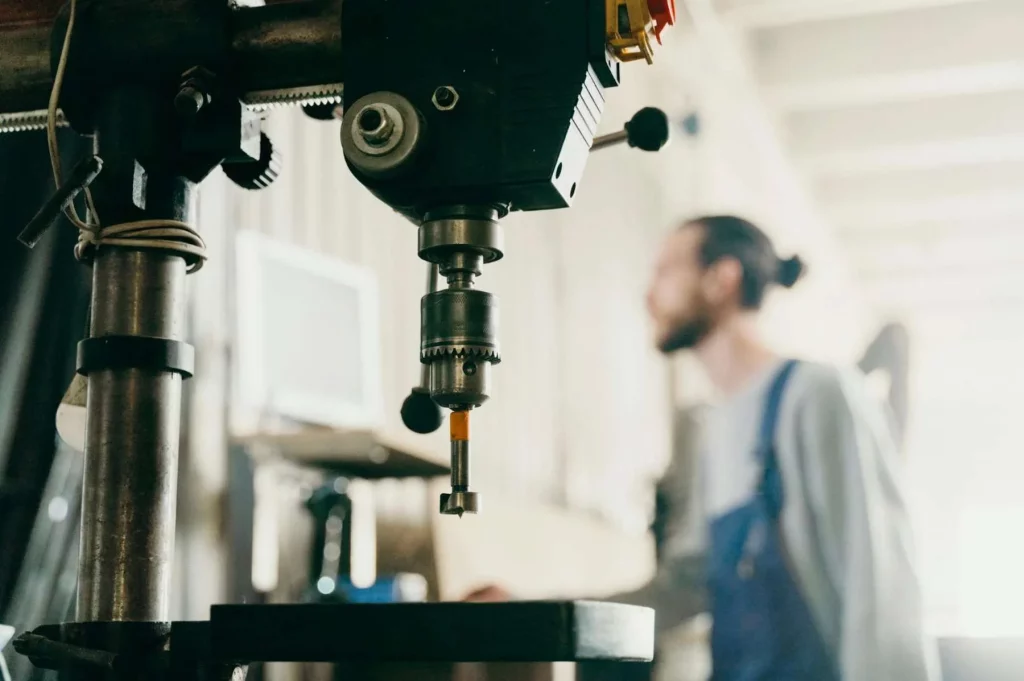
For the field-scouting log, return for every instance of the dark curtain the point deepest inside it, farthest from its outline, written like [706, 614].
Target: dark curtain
[43, 301]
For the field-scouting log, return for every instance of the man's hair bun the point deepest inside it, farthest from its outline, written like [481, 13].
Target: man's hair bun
[789, 271]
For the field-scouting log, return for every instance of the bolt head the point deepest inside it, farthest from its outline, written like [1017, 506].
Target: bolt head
[445, 98]
[189, 100]
[371, 120]
[375, 125]
[195, 91]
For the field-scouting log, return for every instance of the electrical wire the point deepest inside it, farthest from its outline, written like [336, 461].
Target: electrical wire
[51, 122]
[165, 235]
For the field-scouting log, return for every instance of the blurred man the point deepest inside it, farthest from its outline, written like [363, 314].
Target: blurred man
[795, 536]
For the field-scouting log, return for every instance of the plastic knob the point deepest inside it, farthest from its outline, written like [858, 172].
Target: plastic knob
[648, 129]
[258, 174]
[420, 413]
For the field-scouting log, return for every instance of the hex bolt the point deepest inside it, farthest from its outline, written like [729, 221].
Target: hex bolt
[194, 92]
[379, 131]
[189, 100]
[375, 125]
[445, 98]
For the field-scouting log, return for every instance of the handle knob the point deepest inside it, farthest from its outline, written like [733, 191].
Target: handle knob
[647, 130]
[420, 413]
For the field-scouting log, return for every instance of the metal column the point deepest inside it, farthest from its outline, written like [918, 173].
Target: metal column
[131, 454]
[134, 414]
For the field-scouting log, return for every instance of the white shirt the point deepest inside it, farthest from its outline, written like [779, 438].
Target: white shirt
[844, 521]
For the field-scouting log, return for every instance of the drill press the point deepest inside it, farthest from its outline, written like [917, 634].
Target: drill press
[456, 113]
[458, 123]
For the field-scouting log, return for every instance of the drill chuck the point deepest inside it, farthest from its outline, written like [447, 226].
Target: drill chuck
[458, 342]
[459, 324]
[459, 382]
[459, 321]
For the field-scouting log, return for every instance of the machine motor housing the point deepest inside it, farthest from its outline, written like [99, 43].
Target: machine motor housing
[529, 77]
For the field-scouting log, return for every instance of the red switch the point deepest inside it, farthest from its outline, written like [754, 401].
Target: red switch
[664, 14]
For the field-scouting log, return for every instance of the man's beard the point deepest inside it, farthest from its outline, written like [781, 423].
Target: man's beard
[687, 335]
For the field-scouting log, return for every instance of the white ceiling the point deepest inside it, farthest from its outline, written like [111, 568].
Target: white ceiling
[906, 118]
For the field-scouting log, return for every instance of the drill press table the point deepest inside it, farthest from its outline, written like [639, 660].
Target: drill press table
[369, 641]
[549, 631]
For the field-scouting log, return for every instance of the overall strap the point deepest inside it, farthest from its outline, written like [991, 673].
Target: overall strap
[771, 479]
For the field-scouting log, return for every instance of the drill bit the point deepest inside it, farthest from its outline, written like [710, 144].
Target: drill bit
[460, 500]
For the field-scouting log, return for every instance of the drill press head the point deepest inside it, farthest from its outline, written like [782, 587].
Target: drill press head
[454, 124]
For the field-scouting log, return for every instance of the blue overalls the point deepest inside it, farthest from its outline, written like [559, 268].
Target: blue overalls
[763, 629]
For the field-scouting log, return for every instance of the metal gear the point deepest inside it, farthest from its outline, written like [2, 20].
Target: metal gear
[29, 120]
[264, 100]
[258, 174]
[491, 355]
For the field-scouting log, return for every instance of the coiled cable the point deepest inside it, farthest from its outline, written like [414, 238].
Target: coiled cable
[173, 236]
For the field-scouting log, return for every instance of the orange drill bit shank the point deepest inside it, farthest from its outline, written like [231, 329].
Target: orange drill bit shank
[459, 426]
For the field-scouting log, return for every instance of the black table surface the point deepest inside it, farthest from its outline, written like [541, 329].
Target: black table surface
[536, 631]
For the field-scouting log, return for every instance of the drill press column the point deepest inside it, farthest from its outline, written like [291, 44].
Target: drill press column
[133, 362]
[131, 451]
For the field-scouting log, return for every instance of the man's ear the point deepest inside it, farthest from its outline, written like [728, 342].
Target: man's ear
[722, 281]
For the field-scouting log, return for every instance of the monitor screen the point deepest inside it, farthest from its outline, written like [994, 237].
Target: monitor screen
[308, 337]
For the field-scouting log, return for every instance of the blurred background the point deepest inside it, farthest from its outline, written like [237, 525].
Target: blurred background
[882, 140]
